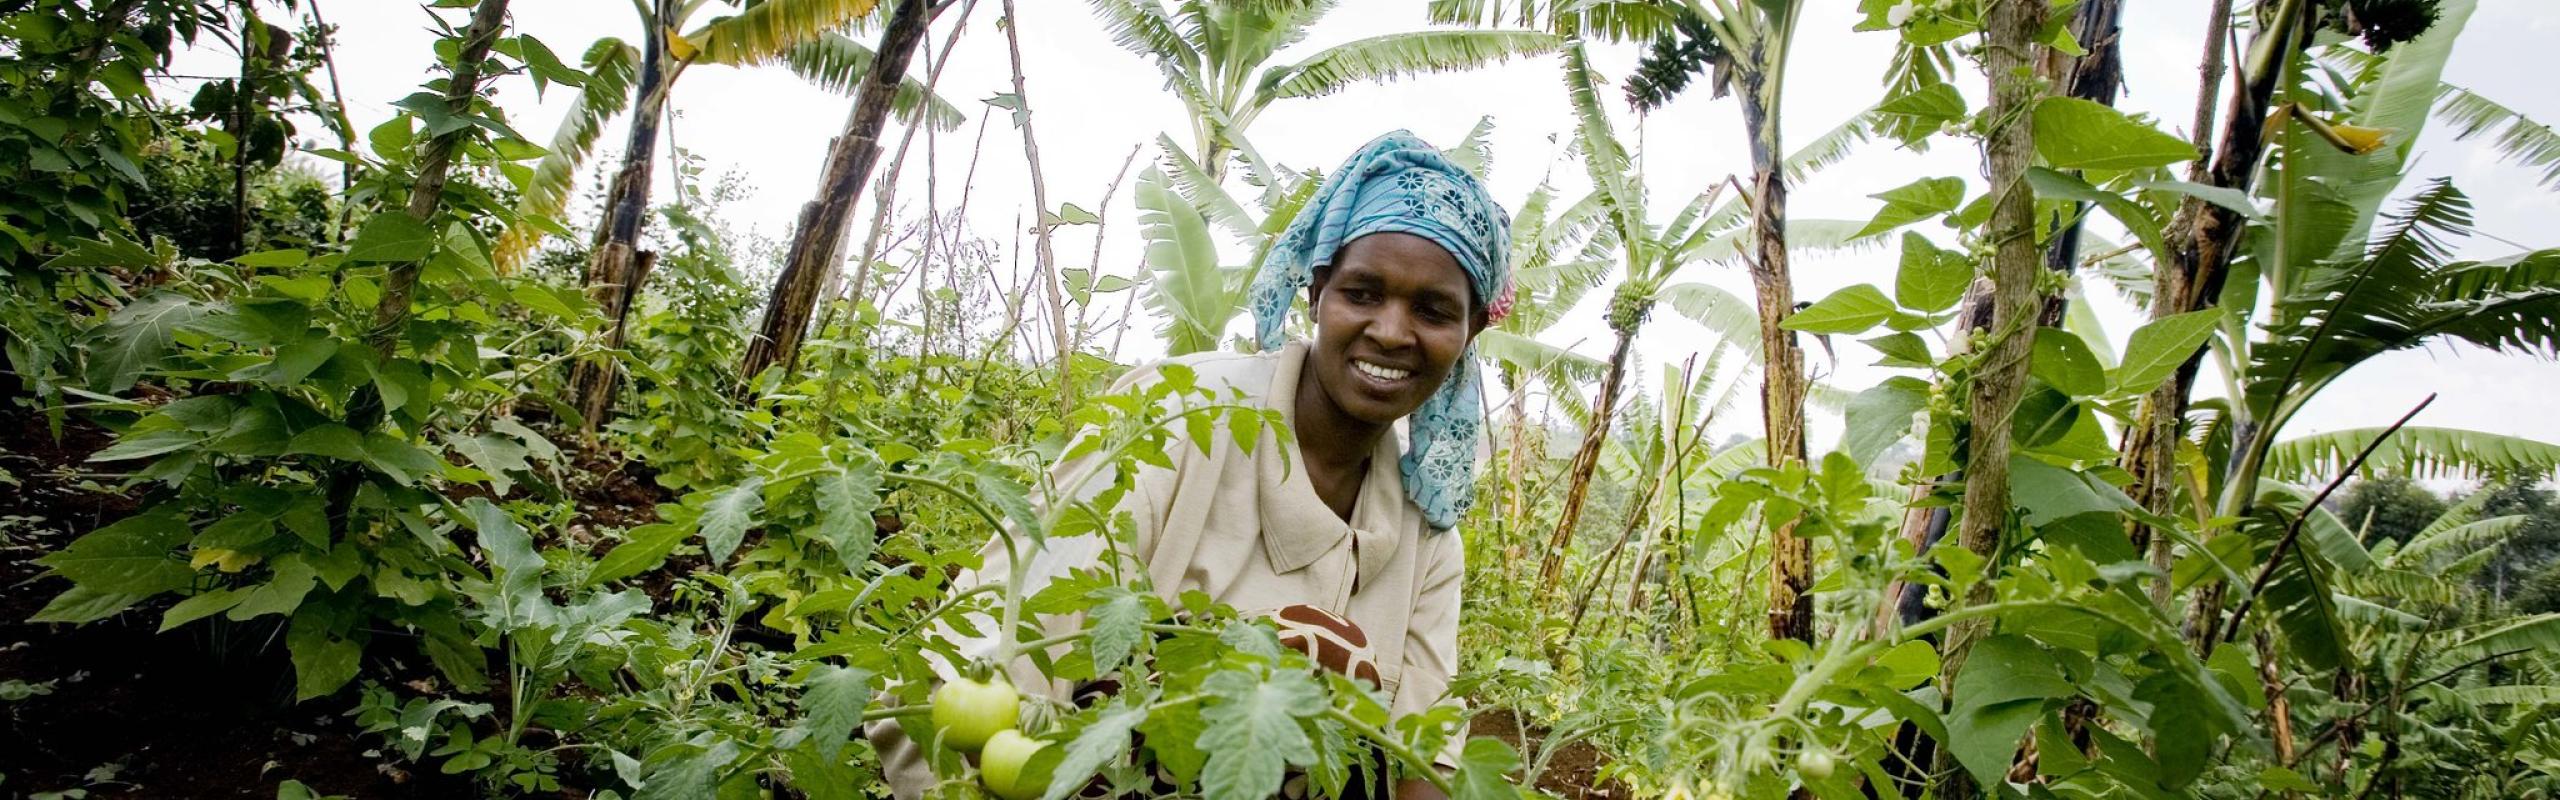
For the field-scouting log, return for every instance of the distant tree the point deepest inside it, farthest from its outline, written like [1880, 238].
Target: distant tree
[2391, 508]
[2525, 560]
[2539, 593]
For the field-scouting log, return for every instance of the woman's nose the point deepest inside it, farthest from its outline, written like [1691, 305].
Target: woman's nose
[1393, 327]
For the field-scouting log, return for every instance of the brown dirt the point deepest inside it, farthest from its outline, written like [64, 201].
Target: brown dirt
[1572, 773]
[612, 492]
[202, 712]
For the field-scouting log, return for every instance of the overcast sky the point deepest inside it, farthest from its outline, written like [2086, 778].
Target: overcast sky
[1093, 101]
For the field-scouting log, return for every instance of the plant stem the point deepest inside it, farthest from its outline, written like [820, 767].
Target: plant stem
[1422, 767]
[1048, 263]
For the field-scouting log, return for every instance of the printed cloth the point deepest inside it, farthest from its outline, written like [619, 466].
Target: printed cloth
[1402, 184]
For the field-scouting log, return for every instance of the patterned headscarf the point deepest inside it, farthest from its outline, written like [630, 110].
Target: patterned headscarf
[1400, 183]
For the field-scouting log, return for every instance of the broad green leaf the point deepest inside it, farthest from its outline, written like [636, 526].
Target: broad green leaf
[2285, 780]
[404, 462]
[1901, 349]
[1985, 739]
[2133, 216]
[685, 771]
[726, 518]
[2416, 451]
[2072, 133]
[2234, 199]
[509, 549]
[496, 456]
[132, 556]
[845, 502]
[821, 777]
[1252, 734]
[281, 594]
[2521, 695]
[1930, 279]
[1069, 214]
[2538, 632]
[2065, 363]
[2049, 493]
[2181, 727]
[1013, 500]
[1910, 662]
[81, 605]
[1913, 202]
[146, 445]
[273, 259]
[562, 303]
[1921, 112]
[1851, 310]
[329, 439]
[645, 548]
[202, 606]
[136, 337]
[2001, 691]
[1101, 741]
[392, 236]
[1484, 767]
[2156, 349]
[832, 705]
[1881, 416]
[1117, 624]
[322, 660]
[296, 361]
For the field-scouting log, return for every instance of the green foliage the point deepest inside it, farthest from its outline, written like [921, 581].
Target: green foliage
[715, 597]
[2388, 509]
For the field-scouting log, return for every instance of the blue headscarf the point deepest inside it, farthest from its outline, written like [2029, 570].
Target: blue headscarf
[1400, 183]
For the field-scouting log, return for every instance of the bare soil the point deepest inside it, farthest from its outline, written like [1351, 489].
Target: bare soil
[1573, 772]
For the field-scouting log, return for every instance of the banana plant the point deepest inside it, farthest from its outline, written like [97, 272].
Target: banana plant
[1180, 200]
[1649, 257]
[1218, 56]
[1745, 45]
[2402, 630]
[2344, 282]
[802, 35]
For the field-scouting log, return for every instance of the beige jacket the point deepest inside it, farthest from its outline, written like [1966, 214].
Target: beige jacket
[1247, 529]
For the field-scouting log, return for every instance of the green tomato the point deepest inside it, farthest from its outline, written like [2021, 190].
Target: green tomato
[967, 712]
[1001, 765]
[1815, 764]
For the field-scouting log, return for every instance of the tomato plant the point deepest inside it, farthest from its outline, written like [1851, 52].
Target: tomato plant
[967, 713]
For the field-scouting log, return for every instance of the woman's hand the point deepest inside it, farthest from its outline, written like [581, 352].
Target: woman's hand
[1418, 789]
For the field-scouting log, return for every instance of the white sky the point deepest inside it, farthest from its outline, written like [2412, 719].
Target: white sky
[1093, 101]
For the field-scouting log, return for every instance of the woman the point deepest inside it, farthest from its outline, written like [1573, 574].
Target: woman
[1345, 539]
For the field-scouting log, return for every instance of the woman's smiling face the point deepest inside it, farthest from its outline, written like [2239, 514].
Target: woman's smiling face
[1393, 313]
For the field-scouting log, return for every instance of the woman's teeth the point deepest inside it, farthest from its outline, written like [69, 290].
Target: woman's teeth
[1380, 373]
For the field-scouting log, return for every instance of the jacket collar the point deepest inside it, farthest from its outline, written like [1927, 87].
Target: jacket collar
[1297, 527]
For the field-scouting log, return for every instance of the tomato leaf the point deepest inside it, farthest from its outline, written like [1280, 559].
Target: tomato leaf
[832, 705]
[726, 518]
[1118, 624]
[845, 502]
[1252, 733]
[644, 549]
[1100, 741]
